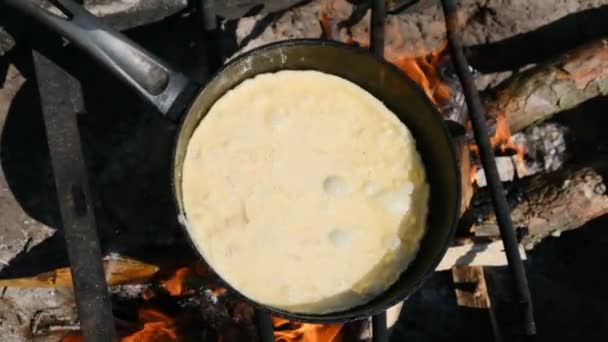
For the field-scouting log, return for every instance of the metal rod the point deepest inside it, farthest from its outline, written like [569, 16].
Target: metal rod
[264, 324]
[377, 27]
[208, 14]
[379, 329]
[61, 100]
[211, 36]
[501, 207]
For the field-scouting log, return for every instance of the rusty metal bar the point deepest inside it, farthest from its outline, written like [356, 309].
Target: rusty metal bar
[61, 100]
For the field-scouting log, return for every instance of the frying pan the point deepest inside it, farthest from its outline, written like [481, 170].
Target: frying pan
[176, 97]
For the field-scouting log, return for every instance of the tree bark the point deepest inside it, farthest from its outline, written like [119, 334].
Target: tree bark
[420, 28]
[557, 85]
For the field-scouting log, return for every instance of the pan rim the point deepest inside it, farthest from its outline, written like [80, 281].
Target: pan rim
[363, 310]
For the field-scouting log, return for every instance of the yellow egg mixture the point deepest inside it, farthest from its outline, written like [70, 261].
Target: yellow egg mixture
[304, 192]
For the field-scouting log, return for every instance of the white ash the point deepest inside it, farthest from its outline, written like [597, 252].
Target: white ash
[546, 151]
[210, 296]
[129, 291]
[26, 313]
[112, 256]
[506, 171]
[545, 144]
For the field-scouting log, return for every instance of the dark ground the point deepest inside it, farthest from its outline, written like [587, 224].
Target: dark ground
[568, 283]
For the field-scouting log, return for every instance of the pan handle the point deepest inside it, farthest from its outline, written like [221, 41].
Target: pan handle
[168, 90]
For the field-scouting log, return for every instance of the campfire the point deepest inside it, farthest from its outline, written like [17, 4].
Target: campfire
[185, 283]
[287, 331]
[179, 298]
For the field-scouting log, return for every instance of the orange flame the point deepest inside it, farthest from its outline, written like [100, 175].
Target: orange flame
[423, 70]
[219, 291]
[175, 285]
[325, 24]
[158, 327]
[287, 331]
[502, 138]
[72, 338]
[420, 65]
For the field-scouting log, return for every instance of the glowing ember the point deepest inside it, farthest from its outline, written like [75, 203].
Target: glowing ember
[175, 285]
[219, 291]
[158, 327]
[287, 331]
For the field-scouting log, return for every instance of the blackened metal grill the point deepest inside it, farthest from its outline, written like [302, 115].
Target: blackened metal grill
[73, 195]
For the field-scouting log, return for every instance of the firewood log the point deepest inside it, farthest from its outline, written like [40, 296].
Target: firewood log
[119, 271]
[551, 203]
[551, 87]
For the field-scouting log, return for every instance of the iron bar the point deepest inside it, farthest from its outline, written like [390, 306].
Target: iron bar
[379, 328]
[264, 324]
[211, 36]
[377, 27]
[501, 207]
[208, 15]
[61, 101]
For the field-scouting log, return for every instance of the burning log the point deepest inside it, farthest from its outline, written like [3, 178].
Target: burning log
[551, 203]
[157, 326]
[287, 331]
[551, 87]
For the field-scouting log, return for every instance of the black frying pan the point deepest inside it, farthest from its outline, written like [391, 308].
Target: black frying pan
[180, 99]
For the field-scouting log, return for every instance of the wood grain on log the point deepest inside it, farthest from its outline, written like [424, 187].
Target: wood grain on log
[472, 292]
[555, 202]
[475, 296]
[119, 271]
[551, 87]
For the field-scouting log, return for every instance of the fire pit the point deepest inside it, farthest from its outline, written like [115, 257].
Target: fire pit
[110, 176]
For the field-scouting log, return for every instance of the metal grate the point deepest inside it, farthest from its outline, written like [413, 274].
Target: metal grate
[79, 224]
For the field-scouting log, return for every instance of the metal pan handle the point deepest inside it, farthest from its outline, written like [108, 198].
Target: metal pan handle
[168, 90]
